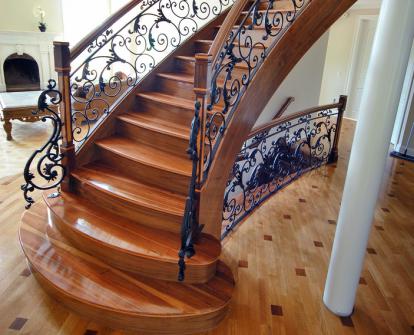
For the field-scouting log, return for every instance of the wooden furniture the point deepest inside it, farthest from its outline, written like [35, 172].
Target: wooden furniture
[18, 106]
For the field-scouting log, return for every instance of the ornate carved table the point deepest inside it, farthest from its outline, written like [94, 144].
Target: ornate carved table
[18, 106]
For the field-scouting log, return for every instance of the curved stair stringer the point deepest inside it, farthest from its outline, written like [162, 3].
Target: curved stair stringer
[301, 35]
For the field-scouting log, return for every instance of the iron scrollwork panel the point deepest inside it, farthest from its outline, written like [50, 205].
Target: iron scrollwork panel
[241, 56]
[119, 58]
[44, 169]
[275, 157]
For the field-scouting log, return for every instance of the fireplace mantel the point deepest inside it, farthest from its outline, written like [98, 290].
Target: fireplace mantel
[36, 44]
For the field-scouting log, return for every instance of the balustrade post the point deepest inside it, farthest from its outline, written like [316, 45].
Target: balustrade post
[202, 80]
[333, 156]
[62, 67]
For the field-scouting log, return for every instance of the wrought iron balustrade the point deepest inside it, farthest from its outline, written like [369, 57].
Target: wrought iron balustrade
[278, 153]
[121, 56]
[239, 59]
[45, 170]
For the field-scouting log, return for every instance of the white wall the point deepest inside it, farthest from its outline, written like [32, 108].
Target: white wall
[342, 40]
[18, 15]
[303, 83]
[77, 24]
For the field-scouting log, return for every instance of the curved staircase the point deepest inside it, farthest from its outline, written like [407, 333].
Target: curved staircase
[107, 246]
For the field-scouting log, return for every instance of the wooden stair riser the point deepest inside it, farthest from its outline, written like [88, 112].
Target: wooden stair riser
[173, 144]
[163, 179]
[117, 258]
[168, 111]
[177, 88]
[130, 210]
[184, 65]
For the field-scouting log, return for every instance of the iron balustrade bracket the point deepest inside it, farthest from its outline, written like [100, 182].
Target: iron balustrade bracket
[46, 162]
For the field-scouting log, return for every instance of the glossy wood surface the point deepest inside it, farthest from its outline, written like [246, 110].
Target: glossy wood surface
[126, 245]
[272, 255]
[101, 292]
[302, 34]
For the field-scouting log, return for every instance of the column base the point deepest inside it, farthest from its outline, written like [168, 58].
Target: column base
[338, 313]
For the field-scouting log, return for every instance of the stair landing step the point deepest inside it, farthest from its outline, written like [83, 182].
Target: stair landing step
[127, 245]
[116, 298]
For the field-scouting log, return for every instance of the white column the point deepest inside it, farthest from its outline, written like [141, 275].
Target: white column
[379, 104]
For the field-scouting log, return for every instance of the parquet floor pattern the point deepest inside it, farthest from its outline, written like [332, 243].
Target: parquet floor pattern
[279, 257]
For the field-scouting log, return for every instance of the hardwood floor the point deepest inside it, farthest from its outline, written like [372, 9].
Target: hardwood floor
[26, 137]
[279, 257]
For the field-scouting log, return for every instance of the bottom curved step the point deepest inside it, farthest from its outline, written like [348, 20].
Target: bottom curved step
[115, 298]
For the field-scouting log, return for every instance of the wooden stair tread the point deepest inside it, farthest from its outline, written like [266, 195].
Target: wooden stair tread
[146, 155]
[99, 291]
[111, 181]
[120, 234]
[168, 99]
[179, 76]
[155, 123]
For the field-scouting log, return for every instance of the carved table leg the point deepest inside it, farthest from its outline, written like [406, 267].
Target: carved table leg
[8, 128]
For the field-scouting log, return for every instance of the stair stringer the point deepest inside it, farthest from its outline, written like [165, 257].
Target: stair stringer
[298, 39]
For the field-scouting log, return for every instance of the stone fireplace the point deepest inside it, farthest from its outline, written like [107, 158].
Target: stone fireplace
[26, 60]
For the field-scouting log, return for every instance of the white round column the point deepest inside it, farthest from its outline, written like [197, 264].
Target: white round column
[379, 104]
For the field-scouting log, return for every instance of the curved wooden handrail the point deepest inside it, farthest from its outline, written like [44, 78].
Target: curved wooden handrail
[307, 28]
[88, 39]
[226, 28]
[287, 118]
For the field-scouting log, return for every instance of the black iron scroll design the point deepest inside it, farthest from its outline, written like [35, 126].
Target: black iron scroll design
[238, 61]
[275, 157]
[190, 228]
[118, 59]
[45, 164]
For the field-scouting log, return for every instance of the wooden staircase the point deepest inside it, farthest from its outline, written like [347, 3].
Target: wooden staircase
[107, 249]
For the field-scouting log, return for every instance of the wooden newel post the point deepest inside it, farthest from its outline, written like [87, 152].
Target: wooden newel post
[62, 67]
[333, 157]
[202, 80]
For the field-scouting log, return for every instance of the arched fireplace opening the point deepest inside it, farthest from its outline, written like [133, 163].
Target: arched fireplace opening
[21, 73]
